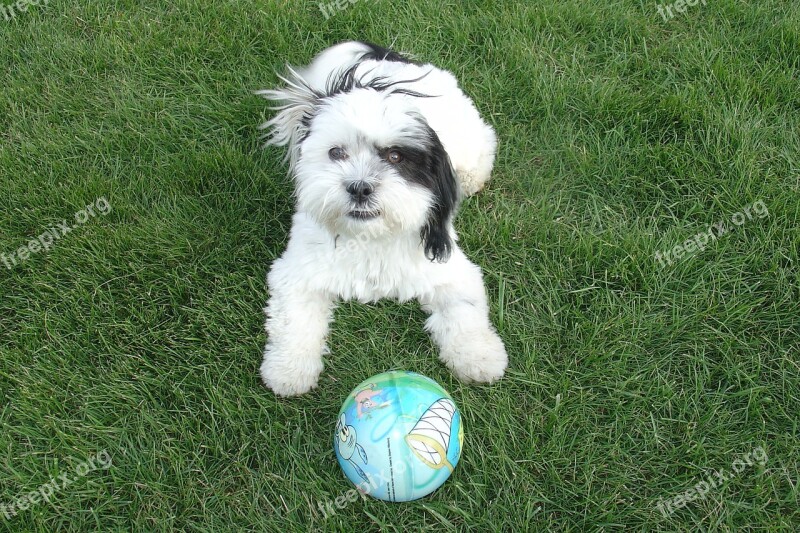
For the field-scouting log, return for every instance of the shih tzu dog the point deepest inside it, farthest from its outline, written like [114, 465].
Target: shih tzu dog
[380, 148]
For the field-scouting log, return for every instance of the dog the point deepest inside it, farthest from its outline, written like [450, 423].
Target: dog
[380, 148]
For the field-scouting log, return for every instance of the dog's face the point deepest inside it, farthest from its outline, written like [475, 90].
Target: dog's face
[360, 165]
[366, 163]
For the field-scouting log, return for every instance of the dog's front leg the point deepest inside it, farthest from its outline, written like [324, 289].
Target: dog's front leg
[297, 325]
[459, 324]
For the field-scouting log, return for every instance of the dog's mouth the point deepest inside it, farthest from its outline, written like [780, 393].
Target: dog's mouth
[363, 214]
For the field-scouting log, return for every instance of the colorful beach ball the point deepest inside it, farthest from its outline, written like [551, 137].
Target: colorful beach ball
[398, 436]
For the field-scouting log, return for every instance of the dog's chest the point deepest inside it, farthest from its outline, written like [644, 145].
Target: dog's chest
[375, 270]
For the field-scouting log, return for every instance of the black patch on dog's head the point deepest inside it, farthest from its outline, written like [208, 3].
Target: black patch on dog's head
[428, 165]
[379, 53]
[347, 81]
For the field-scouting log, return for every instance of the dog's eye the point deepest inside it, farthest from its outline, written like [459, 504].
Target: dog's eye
[337, 154]
[394, 157]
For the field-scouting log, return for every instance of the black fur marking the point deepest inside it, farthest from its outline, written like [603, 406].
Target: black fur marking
[306, 122]
[347, 81]
[429, 166]
[379, 53]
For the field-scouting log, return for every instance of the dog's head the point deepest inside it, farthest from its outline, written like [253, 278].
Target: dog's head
[364, 160]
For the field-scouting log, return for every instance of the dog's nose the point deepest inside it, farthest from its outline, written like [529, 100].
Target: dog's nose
[360, 190]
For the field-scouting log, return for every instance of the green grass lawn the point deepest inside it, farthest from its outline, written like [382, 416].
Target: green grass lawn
[623, 133]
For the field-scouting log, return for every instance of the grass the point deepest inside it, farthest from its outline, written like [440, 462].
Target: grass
[622, 135]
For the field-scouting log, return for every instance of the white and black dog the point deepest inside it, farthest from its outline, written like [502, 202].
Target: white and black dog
[380, 148]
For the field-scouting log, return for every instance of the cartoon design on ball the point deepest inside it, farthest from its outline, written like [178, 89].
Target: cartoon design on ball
[430, 438]
[347, 445]
[365, 402]
[410, 428]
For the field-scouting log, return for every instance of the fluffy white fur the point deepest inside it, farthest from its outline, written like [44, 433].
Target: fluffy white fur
[385, 244]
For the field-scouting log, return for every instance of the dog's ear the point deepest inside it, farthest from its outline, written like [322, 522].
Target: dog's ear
[436, 236]
[297, 102]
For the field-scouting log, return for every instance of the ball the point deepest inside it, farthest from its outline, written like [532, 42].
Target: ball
[398, 436]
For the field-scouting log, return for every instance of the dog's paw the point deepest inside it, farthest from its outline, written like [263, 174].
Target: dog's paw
[289, 376]
[477, 357]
